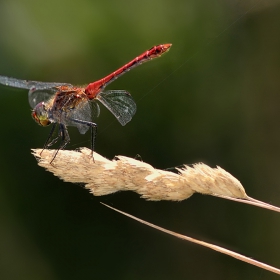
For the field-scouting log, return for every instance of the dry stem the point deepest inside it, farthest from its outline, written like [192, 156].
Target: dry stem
[202, 243]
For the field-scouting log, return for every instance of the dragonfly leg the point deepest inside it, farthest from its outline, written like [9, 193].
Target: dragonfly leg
[50, 142]
[65, 139]
[93, 128]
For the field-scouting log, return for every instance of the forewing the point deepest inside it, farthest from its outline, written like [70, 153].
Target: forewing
[26, 84]
[38, 91]
[84, 112]
[37, 96]
[120, 103]
[95, 109]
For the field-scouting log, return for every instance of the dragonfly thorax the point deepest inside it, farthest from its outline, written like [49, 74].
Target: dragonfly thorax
[40, 114]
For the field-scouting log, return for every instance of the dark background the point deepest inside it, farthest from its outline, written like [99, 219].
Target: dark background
[215, 97]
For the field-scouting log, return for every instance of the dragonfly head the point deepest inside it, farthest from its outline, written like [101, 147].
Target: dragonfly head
[40, 114]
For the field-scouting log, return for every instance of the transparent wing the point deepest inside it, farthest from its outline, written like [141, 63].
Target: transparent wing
[38, 91]
[37, 96]
[26, 84]
[85, 112]
[82, 112]
[95, 109]
[120, 103]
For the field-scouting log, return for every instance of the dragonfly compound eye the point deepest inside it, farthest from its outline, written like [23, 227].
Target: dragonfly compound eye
[40, 114]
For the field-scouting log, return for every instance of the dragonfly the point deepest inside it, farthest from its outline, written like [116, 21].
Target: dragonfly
[63, 104]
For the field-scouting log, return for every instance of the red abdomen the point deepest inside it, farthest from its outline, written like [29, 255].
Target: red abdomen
[94, 88]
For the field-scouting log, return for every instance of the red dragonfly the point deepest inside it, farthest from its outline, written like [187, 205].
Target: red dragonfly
[67, 105]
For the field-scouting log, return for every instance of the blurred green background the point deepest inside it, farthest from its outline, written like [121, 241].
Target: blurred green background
[215, 97]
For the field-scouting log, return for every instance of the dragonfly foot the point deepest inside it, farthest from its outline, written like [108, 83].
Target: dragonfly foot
[92, 157]
[42, 152]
